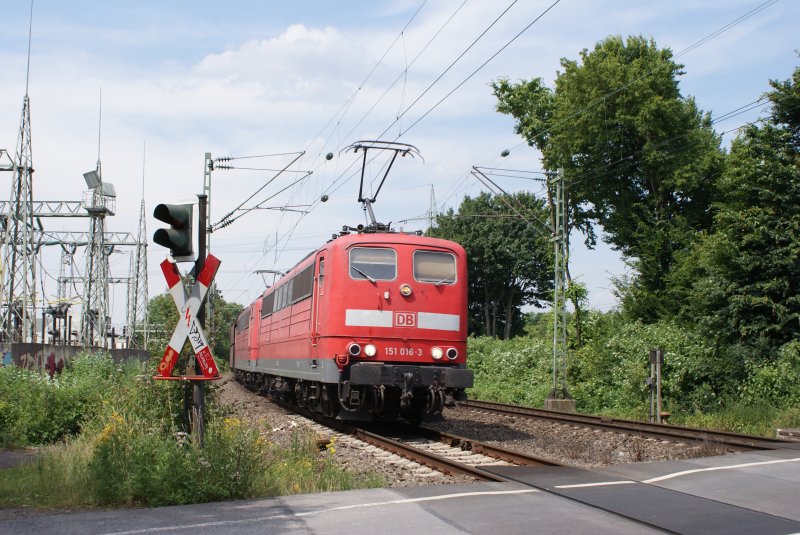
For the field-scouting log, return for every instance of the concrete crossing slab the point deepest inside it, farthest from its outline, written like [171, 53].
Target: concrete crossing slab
[653, 505]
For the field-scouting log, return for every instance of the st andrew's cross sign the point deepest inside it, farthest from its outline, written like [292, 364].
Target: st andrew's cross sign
[188, 305]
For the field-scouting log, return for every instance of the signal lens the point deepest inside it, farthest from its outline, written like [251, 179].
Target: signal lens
[370, 350]
[405, 290]
[354, 349]
[437, 353]
[452, 353]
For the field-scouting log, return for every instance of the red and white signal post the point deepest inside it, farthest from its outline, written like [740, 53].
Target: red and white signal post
[188, 305]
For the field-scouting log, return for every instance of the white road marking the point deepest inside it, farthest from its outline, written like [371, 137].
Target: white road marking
[598, 484]
[419, 500]
[199, 525]
[677, 474]
[319, 511]
[715, 468]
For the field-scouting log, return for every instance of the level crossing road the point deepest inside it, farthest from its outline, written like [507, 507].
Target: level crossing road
[756, 492]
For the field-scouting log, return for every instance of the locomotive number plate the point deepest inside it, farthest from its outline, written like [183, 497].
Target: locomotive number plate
[403, 351]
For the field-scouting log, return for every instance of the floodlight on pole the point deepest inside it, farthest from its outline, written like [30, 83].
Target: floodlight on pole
[92, 179]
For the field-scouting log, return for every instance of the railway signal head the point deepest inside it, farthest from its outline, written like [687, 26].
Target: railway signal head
[177, 238]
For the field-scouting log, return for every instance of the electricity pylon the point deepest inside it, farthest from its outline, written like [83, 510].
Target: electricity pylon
[137, 289]
[19, 244]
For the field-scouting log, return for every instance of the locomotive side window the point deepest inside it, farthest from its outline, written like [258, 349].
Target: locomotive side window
[283, 296]
[435, 267]
[278, 304]
[267, 304]
[303, 283]
[244, 320]
[373, 263]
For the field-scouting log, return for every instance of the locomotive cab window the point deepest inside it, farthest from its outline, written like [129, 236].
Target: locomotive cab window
[373, 263]
[435, 267]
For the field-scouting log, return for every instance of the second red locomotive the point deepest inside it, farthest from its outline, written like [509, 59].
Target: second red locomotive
[370, 326]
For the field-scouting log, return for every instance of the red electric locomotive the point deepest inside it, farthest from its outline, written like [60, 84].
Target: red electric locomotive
[370, 326]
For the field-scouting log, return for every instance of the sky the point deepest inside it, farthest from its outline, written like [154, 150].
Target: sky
[179, 79]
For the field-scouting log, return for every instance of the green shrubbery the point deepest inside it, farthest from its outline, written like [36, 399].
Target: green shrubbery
[117, 439]
[702, 384]
[40, 410]
[511, 371]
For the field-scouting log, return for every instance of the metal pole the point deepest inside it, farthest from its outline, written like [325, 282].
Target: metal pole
[659, 362]
[198, 392]
[651, 385]
[205, 230]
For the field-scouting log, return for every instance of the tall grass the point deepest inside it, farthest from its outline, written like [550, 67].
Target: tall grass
[129, 467]
[122, 443]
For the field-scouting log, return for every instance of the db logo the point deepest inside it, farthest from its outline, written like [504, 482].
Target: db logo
[405, 319]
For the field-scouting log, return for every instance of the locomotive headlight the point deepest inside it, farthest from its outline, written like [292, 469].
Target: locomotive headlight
[452, 353]
[437, 353]
[405, 290]
[354, 349]
[370, 350]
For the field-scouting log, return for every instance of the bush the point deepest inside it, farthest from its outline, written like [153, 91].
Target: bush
[609, 373]
[128, 464]
[124, 445]
[778, 381]
[511, 371]
[135, 463]
[703, 385]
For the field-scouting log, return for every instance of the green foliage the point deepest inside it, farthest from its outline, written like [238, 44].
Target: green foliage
[163, 315]
[223, 316]
[639, 158]
[776, 382]
[511, 371]
[753, 417]
[40, 410]
[301, 469]
[713, 240]
[701, 385]
[55, 477]
[162, 469]
[128, 448]
[531, 104]
[609, 373]
[741, 282]
[510, 260]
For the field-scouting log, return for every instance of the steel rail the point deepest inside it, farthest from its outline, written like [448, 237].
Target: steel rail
[431, 460]
[661, 431]
[483, 448]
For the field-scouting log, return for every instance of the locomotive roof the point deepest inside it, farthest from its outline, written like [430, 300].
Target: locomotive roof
[346, 240]
[390, 237]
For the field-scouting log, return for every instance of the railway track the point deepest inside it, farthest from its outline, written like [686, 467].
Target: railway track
[450, 454]
[733, 441]
[423, 451]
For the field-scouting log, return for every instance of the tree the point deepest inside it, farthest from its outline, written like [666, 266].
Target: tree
[510, 260]
[741, 282]
[640, 159]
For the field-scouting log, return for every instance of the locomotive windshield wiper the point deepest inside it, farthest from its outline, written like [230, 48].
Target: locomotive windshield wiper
[448, 278]
[370, 279]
